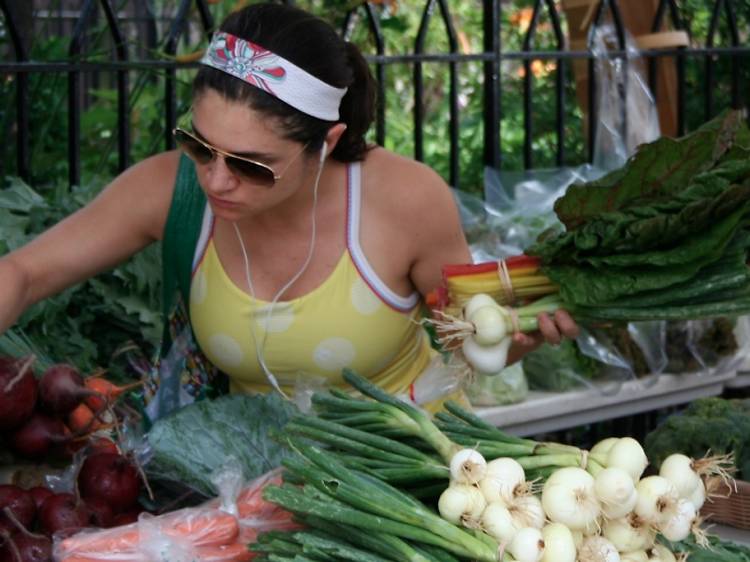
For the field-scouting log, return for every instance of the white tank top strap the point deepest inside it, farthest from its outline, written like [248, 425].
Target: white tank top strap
[392, 299]
[205, 235]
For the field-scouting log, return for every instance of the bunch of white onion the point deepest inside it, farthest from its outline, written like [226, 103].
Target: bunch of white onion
[486, 329]
[494, 497]
[605, 514]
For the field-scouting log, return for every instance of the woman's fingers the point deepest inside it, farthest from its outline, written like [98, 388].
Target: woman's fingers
[555, 328]
[549, 329]
[566, 325]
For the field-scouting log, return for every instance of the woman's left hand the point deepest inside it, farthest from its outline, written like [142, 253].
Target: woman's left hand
[552, 330]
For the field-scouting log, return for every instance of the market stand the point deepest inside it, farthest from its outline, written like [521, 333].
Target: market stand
[543, 412]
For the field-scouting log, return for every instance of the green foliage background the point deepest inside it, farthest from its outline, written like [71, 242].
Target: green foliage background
[89, 322]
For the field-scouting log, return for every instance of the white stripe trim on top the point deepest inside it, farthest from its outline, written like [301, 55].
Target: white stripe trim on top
[206, 227]
[364, 268]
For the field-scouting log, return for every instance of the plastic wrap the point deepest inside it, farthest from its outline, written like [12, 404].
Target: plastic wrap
[618, 78]
[507, 387]
[442, 377]
[217, 531]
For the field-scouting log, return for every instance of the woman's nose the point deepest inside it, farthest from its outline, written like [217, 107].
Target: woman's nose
[220, 178]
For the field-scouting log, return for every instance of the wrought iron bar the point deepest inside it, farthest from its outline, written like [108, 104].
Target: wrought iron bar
[373, 24]
[74, 95]
[23, 156]
[170, 94]
[528, 80]
[491, 71]
[453, 123]
[123, 93]
[419, 81]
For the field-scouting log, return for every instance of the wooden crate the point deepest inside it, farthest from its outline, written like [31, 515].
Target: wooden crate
[731, 507]
[637, 17]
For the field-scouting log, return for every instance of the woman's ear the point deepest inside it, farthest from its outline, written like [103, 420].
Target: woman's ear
[334, 135]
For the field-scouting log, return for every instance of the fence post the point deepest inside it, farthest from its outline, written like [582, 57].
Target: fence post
[492, 47]
[22, 88]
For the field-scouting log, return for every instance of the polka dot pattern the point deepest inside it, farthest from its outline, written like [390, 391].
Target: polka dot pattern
[363, 299]
[333, 354]
[199, 288]
[281, 318]
[226, 350]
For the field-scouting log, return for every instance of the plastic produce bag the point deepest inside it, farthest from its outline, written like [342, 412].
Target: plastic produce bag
[442, 377]
[638, 116]
[217, 531]
[507, 387]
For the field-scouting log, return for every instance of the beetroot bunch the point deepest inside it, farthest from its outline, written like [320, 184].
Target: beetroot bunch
[34, 421]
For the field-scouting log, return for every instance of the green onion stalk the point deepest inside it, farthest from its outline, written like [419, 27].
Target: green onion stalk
[404, 436]
[339, 495]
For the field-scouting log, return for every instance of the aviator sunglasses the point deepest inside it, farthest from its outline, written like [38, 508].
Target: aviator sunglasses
[203, 153]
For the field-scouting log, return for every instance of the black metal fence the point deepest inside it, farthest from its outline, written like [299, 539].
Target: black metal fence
[724, 15]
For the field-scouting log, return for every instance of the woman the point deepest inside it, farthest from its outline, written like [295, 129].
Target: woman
[291, 247]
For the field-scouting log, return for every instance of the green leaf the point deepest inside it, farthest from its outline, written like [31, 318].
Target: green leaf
[657, 171]
[20, 197]
[189, 445]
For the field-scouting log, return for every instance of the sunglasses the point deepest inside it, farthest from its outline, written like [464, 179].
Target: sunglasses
[202, 153]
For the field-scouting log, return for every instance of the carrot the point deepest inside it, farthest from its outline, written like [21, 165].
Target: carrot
[200, 526]
[236, 552]
[108, 392]
[82, 419]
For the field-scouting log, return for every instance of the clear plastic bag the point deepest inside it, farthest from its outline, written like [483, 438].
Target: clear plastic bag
[509, 386]
[442, 377]
[216, 531]
[618, 77]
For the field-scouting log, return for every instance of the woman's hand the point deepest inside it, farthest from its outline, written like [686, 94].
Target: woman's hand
[552, 330]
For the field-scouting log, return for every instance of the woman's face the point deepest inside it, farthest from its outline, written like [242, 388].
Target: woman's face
[237, 129]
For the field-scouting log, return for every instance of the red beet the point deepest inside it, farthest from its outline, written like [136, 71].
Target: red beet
[62, 511]
[102, 445]
[30, 547]
[110, 477]
[101, 513]
[20, 503]
[61, 389]
[39, 494]
[38, 435]
[126, 517]
[18, 392]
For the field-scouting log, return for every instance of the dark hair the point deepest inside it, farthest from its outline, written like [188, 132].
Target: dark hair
[312, 44]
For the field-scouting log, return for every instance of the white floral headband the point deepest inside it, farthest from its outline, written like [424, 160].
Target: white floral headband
[273, 74]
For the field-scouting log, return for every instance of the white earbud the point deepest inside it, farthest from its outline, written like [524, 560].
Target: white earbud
[323, 151]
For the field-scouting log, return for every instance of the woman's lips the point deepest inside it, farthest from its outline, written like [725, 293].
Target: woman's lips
[221, 202]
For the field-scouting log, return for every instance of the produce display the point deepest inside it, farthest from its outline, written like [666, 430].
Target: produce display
[61, 417]
[371, 477]
[663, 238]
[378, 480]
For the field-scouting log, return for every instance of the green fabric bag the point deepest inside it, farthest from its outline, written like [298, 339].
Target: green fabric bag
[183, 374]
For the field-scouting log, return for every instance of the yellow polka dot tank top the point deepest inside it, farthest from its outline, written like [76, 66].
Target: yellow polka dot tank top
[351, 320]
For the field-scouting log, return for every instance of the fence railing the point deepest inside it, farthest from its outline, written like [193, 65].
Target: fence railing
[723, 12]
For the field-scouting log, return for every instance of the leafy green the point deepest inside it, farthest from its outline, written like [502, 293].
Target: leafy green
[707, 424]
[664, 237]
[657, 171]
[189, 445]
[558, 368]
[717, 551]
[87, 323]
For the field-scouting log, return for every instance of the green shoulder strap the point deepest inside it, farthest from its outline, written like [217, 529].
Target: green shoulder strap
[181, 235]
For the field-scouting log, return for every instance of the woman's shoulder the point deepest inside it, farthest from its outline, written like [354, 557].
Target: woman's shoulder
[392, 177]
[149, 186]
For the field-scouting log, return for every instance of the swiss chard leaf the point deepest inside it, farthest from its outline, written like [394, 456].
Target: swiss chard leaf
[189, 445]
[658, 170]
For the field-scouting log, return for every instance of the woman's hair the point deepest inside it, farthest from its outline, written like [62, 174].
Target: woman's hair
[313, 45]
